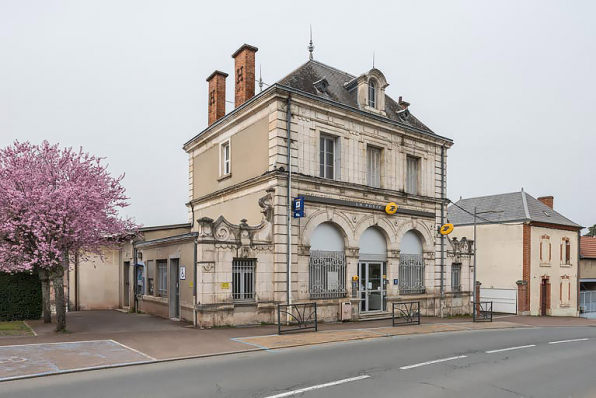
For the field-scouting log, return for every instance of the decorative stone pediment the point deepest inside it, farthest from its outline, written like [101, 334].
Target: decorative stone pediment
[244, 238]
[458, 249]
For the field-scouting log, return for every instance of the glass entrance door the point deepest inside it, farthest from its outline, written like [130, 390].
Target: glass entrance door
[372, 289]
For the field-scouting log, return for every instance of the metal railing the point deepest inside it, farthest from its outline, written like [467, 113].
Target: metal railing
[296, 317]
[483, 311]
[406, 313]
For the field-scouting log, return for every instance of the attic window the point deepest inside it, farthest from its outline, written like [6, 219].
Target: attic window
[372, 93]
[321, 85]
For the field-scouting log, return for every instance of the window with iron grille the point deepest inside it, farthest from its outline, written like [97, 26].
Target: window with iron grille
[373, 159]
[328, 157]
[162, 278]
[327, 274]
[243, 279]
[411, 274]
[413, 165]
[456, 277]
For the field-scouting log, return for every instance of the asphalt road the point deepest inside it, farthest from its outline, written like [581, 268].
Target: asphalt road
[537, 362]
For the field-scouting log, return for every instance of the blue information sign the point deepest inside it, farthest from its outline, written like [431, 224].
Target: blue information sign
[298, 207]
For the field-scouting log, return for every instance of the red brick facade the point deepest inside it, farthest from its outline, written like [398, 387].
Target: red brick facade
[217, 96]
[244, 74]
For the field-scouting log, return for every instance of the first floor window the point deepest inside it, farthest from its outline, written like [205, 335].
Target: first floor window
[327, 274]
[411, 273]
[456, 277]
[243, 279]
[566, 251]
[545, 249]
[225, 158]
[162, 278]
[327, 156]
[373, 159]
[412, 175]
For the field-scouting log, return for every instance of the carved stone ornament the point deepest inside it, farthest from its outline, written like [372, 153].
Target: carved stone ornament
[208, 266]
[222, 233]
[266, 204]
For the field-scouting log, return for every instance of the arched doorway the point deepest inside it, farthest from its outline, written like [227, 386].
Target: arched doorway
[372, 270]
[327, 264]
[411, 264]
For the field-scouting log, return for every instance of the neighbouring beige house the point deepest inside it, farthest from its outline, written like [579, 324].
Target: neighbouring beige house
[370, 183]
[527, 253]
[587, 276]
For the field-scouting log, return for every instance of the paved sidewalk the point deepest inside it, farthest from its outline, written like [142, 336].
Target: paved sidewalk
[109, 338]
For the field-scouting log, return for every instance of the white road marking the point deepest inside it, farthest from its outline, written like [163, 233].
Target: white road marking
[511, 348]
[566, 341]
[431, 362]
[132, 349]
[333, 383]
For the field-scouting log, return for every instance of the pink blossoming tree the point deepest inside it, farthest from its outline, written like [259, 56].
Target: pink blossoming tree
[55, 203]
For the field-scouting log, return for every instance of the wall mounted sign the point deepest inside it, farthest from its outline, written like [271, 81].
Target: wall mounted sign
[364, 205]
[298, 207]
[225, 285]
[182, 273]
[446, 229]
[391, 208]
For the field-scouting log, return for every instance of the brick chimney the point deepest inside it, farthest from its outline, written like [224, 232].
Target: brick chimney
[244, 77]
[548, 200]
[217, 96]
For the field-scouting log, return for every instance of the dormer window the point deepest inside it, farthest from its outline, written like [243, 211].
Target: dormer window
[372, 93]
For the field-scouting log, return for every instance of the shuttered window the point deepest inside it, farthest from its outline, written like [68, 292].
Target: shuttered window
[412, 166]
[373, 159]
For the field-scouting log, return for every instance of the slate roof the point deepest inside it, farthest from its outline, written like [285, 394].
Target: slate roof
[508, 207]
[305, 77]
[587, 247]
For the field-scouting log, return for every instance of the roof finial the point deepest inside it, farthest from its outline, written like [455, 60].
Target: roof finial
[311, 47]
[373, 59]
[260, 79]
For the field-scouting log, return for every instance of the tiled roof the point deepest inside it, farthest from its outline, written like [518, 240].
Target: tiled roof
[587, 247]
[305, 77]
[508, 207]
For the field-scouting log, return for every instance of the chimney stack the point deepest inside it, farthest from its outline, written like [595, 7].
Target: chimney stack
[548, 200]
[217, 96]
[244, 60]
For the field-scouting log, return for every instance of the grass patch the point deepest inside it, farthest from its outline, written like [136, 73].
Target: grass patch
[14, 328]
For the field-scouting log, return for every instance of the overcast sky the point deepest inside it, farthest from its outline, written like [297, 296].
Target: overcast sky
[512, 83]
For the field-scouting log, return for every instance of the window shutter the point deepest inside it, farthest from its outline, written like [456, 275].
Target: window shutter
[337, 165]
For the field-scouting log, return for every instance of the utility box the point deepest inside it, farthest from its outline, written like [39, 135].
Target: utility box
[345, 311]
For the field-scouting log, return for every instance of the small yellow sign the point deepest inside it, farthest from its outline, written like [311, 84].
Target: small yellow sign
[190, 284]
[391, 208]
[446, 229]
[355, 278]
[225, 285]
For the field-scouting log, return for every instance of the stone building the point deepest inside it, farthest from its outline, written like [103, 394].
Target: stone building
[371, 181]
[527, 254]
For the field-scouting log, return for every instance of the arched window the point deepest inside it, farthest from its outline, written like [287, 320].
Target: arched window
[411, 264]
[372, 93]
[327, 265]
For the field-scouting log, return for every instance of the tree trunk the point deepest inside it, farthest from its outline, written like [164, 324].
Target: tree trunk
[45, 295]
[58, 281]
